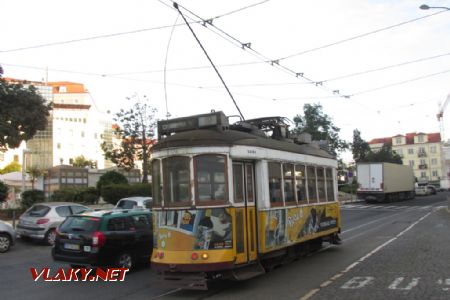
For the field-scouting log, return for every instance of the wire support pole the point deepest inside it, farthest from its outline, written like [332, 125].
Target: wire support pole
[175, 5]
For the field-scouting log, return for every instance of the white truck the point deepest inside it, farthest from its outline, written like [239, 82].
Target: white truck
[385, 182]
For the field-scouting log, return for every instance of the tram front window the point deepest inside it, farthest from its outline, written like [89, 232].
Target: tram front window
[210, 179]
[176, 181]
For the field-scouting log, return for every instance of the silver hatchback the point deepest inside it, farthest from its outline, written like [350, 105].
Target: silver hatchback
[7, 236]
[41, 220]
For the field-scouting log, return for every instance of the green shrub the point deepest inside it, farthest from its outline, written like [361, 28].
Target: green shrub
[65, 195]
[113, 193]
[89, 195]
[3, 191]
[111, 177]
[141, 189]
[30, 197]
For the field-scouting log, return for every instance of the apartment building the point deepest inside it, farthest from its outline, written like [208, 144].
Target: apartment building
[75, 127]
[422, 151]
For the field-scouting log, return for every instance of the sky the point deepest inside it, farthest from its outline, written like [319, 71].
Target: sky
[382, 67]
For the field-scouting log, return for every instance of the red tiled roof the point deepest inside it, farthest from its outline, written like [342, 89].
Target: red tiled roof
[432, 138]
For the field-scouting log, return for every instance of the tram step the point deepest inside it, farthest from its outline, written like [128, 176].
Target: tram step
[248, 272]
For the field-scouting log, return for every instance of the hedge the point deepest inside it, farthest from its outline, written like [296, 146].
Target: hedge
[30, 197]
[114, 192]
[87, 195]
[111, 177]
[7, 214]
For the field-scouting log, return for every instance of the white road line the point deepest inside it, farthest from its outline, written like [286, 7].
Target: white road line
[167, 293]
[362, 259]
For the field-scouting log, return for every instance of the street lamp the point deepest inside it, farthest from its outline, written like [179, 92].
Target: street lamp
[425, 7]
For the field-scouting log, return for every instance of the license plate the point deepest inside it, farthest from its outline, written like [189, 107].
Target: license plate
[72, 246]
[87, 248]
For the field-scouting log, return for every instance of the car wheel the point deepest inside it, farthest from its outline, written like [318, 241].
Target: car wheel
[5, 242]
[125, 260]
[50, 237]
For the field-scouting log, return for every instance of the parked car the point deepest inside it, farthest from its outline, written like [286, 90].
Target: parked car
[422, 191]
[7, 236]
[121, 238]
[134, 202]
[41, 220]
[432, 189]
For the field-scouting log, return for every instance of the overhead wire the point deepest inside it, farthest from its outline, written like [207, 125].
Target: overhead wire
[360, 35]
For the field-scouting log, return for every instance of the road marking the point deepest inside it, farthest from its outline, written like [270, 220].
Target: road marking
[362, 259]
[166, 294]
[398, 281]
[358, 282]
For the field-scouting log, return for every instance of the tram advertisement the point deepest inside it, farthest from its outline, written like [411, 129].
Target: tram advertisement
[200, 229]
[287, 226]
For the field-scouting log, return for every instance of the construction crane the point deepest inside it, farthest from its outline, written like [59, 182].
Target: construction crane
[440, 116]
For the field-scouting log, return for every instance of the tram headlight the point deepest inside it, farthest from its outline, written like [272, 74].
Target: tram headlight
[161, 255]
[205, 256]
[194, 256]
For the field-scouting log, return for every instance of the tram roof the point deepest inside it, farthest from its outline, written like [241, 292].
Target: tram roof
[209, 137]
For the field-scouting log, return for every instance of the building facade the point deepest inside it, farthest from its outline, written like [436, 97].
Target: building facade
[75, 127]
[421, 151]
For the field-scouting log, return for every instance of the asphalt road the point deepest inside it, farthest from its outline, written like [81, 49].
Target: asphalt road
[390, 251]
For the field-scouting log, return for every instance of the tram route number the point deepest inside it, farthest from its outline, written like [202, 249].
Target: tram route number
[252, 152]
[399, 283]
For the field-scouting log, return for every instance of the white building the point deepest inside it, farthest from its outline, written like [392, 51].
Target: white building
[75, 127]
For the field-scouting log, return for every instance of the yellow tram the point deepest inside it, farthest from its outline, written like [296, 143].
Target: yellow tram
[233, 200]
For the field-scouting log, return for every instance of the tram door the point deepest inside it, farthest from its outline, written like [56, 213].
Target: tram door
[244, 192]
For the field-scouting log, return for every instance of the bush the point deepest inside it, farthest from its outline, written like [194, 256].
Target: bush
[30, 197]
[111, 177]
[3, 191]
[141, 189]
[79, 195]
[113, 193]
[65, 195]
[89, 195]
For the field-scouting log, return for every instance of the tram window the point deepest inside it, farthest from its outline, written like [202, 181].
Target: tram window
[312, 192]
[330, 184]
[276, 198]
[321, 184]
[301, 184]
[176, 180]
[249, 181]
[288, 177]
[238, 181]
[210, 180]
[156, 182]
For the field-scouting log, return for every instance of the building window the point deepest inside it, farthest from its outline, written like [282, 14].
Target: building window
[399, 152]
[398, 140]
[82, 134]
[434, 161]
[435, 174]
[411, 163]
[422, 161]
[62, 89]
[420, 138]
[410, 151]
[16, 158]
[433, 149]
[423, 174]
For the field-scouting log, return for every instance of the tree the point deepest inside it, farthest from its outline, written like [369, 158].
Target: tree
[3, 191]
[136, 128]
[82, 162]
[111, 177]
[11, 167]
[34, 172]
[22, 113]
[320, 126]
[360, 148]
[385, 155]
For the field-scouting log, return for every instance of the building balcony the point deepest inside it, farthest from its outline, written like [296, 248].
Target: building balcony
[422, 154]
[423, 166]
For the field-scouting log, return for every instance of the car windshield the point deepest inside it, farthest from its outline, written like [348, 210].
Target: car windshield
[38, 211]
[126, 204]
[77, 224]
